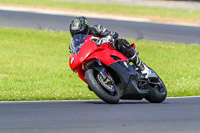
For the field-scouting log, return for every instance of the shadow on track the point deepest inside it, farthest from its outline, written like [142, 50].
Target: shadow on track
[126, 102]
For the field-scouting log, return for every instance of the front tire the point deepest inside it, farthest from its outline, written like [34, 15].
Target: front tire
[93, 80]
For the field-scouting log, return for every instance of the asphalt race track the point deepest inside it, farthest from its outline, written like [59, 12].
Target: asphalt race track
[173, 116]
[134, 30]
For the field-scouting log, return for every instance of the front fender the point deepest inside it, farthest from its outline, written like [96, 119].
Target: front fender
[102, 71]
[98, 66]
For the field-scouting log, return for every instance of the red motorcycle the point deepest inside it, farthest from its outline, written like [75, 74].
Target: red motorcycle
[109, 74]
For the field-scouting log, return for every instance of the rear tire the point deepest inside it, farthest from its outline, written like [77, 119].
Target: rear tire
[97, 87]
[157, 93]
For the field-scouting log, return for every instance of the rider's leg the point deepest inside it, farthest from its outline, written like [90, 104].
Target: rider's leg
[125, 48]
[142, 67]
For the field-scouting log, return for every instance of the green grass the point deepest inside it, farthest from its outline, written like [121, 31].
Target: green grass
[158, 14]
[34, 66]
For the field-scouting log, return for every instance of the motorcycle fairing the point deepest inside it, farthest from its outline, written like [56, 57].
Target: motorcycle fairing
[89, 52]
[129, 78]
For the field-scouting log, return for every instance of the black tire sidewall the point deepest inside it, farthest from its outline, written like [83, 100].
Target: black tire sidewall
[155, 96]
[98, 89]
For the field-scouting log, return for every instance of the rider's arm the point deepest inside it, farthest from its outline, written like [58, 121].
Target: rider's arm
[100, 31]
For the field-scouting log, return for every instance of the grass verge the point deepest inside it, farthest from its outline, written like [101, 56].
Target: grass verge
[154, 14]
[34, 66]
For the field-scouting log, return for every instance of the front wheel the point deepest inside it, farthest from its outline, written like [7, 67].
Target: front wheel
[158, 91]
[104, 89]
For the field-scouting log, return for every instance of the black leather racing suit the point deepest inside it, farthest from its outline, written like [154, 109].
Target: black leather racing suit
[120, 44]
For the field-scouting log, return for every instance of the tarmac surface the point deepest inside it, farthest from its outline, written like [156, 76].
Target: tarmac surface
[126, 29]
[175, 115]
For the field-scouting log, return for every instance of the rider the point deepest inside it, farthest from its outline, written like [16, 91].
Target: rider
[80, 26]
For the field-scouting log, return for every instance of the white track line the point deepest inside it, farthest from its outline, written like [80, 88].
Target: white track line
[54, 101]
[183, 97]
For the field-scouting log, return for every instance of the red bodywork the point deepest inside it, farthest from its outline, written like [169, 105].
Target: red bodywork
[90, 51]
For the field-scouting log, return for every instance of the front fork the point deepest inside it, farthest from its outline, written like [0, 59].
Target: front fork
[102, 71]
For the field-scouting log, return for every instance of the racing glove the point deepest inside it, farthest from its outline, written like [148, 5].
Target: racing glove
[104, 40]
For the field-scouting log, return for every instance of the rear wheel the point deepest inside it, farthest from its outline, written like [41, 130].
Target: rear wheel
[104, 89]
[158, 91]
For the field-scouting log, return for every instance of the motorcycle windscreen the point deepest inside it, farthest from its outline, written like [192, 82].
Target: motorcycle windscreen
[76, 43]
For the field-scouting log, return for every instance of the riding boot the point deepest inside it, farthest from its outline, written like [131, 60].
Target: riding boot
[142, 67]
[125, 48]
